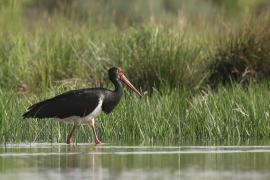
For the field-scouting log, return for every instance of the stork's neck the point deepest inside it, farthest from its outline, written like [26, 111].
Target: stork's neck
[117, 85]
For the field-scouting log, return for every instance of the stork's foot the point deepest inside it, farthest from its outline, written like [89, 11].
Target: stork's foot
[71, 133]
[69, 141]
[97, 142]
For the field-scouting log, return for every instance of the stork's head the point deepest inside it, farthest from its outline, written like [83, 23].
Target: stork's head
[117, 73]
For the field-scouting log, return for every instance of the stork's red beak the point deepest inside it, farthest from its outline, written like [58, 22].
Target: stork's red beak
[128, 84]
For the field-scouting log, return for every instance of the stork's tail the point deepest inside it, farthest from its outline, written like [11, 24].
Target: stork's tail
[34, 111]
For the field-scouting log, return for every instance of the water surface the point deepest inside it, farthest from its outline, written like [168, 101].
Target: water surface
[86, 161]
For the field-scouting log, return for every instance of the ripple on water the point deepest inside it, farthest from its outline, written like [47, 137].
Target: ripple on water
[87, 161]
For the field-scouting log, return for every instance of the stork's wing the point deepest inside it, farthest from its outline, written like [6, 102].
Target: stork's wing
[72, 103]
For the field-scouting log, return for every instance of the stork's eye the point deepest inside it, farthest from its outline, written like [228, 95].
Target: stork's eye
[120, 71]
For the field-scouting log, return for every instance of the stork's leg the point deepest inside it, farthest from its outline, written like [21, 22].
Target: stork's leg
[97, 141]
[71, 133]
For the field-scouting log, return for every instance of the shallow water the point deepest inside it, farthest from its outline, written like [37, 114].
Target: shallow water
[86, 161]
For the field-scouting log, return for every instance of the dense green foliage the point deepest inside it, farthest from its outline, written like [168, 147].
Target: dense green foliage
[166, 116]
[179, 53]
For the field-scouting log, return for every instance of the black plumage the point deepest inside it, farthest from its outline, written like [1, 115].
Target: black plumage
[79, 102]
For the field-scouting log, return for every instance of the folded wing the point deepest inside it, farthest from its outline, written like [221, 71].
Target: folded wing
[72, 103]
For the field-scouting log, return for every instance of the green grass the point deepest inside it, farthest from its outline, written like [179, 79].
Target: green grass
[150, 57]
[168, 116]
[230, 114]
[183, 58]
[45, 51]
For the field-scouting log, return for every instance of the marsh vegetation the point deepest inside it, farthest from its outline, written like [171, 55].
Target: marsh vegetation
[204, 69]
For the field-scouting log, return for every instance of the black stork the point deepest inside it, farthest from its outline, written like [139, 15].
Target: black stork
[82, 106]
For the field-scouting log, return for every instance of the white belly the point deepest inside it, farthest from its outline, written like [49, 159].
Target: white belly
[86, 119]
